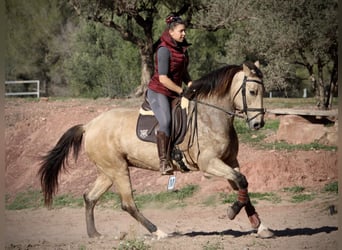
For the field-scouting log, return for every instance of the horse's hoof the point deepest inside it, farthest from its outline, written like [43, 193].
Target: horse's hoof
[231, 213]
[95, 235]
[160, 234]
[264, 232]
[234, 209]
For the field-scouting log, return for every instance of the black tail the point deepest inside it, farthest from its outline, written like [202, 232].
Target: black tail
[57, 159]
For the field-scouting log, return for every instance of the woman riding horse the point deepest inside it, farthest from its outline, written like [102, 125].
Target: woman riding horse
[113, 149]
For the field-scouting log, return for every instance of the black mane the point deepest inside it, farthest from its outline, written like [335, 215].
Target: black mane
[218, 82]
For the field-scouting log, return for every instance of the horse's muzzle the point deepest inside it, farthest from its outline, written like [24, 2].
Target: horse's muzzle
[256, 124]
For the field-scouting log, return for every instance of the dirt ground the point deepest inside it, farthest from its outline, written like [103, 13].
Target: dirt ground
[34, 127]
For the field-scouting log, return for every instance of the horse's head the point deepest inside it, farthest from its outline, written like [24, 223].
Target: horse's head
[247, 93]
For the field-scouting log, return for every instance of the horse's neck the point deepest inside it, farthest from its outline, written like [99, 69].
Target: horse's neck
[215, 119]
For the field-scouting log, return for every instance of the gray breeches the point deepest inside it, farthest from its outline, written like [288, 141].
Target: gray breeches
[160, 105]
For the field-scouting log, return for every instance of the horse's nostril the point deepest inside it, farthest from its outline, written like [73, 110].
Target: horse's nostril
[256, 125]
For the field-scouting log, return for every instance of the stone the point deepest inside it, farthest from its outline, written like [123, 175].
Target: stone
[295, 129]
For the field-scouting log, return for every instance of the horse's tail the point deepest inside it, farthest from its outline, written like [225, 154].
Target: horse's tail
[57, 159]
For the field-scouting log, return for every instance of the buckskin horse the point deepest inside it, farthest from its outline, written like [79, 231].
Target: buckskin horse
[111, 143]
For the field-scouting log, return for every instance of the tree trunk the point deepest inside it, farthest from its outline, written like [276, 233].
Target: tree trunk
[147, 68]
[320, 91]
[332, 85]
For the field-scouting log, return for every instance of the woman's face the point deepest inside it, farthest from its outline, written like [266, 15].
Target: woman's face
[178, 33]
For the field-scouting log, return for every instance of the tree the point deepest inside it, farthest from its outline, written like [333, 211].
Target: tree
[32, 29]
[135, 21]
[99, 63]
[290, 34]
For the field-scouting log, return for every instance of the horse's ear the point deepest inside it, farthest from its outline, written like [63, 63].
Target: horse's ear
[257, 64]
[246, 69]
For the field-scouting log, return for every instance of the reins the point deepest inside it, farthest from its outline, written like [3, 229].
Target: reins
[230, 113]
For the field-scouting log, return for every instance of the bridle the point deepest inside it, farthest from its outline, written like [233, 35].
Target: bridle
[245, 108]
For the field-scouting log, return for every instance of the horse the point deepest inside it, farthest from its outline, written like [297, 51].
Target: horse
[111, 143]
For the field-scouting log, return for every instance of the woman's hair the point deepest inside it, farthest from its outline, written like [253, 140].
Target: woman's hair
[173, 20]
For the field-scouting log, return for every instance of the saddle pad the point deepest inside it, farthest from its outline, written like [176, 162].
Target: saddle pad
[147, 124]
[146, 128]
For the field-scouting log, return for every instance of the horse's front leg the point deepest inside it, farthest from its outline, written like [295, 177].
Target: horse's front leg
[239, 182]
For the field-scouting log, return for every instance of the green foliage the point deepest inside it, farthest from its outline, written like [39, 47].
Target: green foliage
[302, 198]
[67, 200]
[166, 197]
[285, 38]
[228, 198]
[299, 196]
[268, 196]
[207, 48]
[101, 64]
[331, 187]
[25, 200]
[34, 199]
[133, 244]
[46, 40]
[34, 37]
[295, 189]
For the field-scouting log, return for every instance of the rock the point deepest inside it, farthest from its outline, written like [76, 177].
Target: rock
[297, 130]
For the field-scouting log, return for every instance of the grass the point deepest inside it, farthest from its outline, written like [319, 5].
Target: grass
[133, 244]
[268, 196]
[298, 194]
[295, 189]
[32, 199]
[331, 187]
[177, 196]
[302, 197]
[294, 102]
[24, 200]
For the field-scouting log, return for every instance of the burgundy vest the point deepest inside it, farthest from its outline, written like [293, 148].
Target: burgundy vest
[179, 61]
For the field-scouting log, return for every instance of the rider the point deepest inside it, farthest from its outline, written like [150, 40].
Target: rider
[166, 84]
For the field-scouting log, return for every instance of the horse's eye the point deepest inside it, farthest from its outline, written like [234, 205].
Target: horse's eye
[253, 92]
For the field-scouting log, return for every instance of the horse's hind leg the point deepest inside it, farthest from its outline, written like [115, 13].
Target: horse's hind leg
[123, 185]
[102, 184]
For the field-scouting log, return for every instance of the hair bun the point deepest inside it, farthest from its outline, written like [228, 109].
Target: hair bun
[172, 18]
[169, 19]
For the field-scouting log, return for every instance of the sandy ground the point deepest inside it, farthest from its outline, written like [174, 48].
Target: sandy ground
[34, 127]
[308, 225]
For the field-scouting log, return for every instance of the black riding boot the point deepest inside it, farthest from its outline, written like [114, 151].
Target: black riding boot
[163, 145]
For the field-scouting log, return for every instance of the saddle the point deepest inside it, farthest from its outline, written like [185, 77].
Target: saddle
[147, 124]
